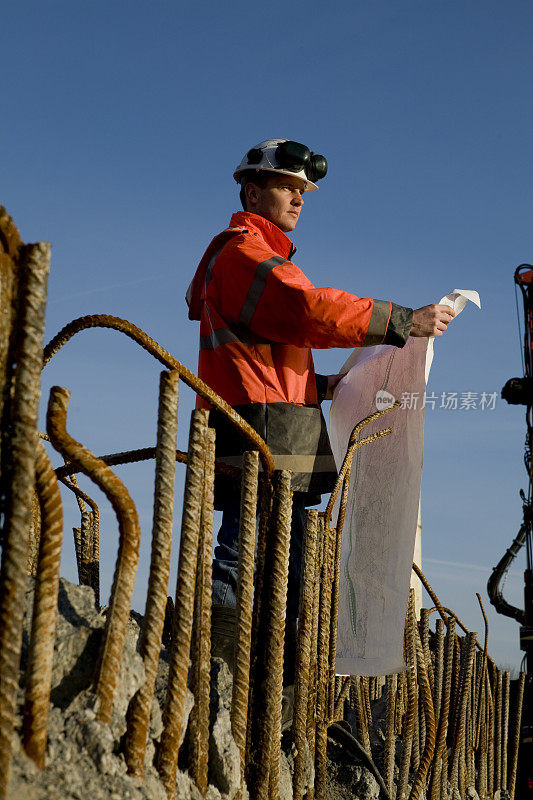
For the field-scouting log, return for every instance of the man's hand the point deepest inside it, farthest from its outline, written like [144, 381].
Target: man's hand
[333, 380]
[431, 320]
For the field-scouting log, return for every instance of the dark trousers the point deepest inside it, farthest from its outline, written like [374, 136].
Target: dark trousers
[226, 554]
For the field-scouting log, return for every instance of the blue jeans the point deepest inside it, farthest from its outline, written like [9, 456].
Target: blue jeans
[227, 552]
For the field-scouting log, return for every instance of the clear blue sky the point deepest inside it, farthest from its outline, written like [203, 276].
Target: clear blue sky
[121, 125]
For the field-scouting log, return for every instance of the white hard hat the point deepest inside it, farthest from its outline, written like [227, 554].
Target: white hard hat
[264, 157]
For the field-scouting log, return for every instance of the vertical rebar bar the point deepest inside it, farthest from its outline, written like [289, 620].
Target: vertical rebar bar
[481, 676]
[506, 686]
[128, 551]
[245, 588]
[156, 600]
[21, 479]
[439, 666]
[259, 611]
[481, 724]
[184, 604]
[94, 564]
[323, 671]
[360, 714]
[390, 738]
[490, 728]
[266, 778]
[201, 641]
[41, 650]
[303, 652]
[516, 734]
[34, 536]
[429, 718]
[464, 688]
[412, 700]
[313, 678]
[498, 691]
[340, 697]
[424, 635]
[334, 614]
[439, 776]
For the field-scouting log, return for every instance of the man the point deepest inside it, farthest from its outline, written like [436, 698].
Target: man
[259, 318]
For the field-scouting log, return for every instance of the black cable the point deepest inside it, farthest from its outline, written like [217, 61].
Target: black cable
[348, 741]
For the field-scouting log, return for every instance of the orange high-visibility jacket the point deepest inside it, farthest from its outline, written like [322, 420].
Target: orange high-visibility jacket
[259, 318]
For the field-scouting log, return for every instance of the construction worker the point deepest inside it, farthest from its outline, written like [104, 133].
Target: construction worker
[259, 318]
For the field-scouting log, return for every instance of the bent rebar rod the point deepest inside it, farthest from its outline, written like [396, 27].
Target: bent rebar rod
[156, 601]
[41, 650]
[18, 511]
[162, 355]
[353, 445]
[128, 550]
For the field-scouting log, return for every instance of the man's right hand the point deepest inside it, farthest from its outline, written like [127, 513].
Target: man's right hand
[431, 320]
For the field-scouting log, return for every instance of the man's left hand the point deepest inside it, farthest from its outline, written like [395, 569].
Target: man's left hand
[333, 380]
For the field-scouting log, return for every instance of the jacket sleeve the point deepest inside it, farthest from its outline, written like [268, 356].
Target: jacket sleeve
[272, 298]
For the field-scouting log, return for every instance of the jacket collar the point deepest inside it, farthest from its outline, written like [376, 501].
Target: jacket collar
[270, 233]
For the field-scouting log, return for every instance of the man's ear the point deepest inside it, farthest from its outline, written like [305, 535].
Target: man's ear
[251, 191]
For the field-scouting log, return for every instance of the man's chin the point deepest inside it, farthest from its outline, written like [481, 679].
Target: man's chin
[290, 224]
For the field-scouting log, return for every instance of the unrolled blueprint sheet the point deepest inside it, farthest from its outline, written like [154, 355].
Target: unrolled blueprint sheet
[382, 511]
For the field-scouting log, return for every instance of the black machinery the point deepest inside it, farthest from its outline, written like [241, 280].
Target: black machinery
[519, 391]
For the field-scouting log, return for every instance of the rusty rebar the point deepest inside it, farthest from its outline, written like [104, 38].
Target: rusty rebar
[41, 650]
[244, 610]
[439, 666]
[303, 652]
[390, 738]
[260, 608]
[34, 536]
[429, 720]
[266, 777]
[516, 734]
[464, 688]
[20, 457]
[323, 668]
[156, 600]
[498, 691]
[201, 639]
[72, 484]
[412, 700]
[184, 604]
[481, 677]
[334, 613]
[162, 355]
[360, 714]
[128, 550]
[340, 697]
[353, 445]
[490, 728]
[89, 537]
[146, 454]
[313, 671]
[482, 741]
[430, 591]
[506, 686]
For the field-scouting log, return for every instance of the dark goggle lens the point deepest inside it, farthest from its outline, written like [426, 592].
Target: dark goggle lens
[297, 157]
[293, 155]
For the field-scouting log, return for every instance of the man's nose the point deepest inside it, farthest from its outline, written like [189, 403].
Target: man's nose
[297, 199]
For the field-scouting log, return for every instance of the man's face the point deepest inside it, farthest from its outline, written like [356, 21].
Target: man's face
[279, 201]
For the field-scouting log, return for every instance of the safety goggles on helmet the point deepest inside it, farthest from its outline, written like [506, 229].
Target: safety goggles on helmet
[286, 157]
